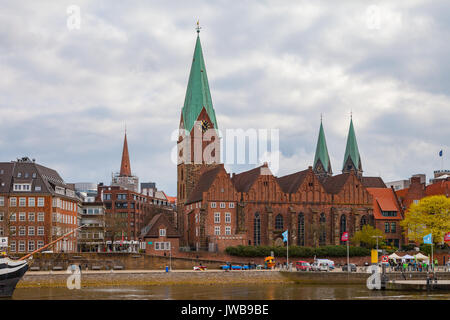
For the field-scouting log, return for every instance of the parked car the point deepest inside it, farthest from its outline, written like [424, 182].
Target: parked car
[302, 266]
[322, 266]
[352, 267]
[200, 268]
[329, 262]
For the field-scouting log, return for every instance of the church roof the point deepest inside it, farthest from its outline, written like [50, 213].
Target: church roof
[244, 181]
[204, 183]
[373, 182]
[351, 150]
[198, 96]
[335, 183]
[384, 199]
[125, 168]
[322, 151]
[292, 182]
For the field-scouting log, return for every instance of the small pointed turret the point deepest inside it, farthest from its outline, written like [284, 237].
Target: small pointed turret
[352, 159]
[125, 169]
[322, 163]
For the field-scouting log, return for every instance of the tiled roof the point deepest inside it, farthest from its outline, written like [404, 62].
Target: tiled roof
[384, 200]
[291, 182]
[205, 181]
[373, 182]
[152, 230]
[244, 181]
[335, 183]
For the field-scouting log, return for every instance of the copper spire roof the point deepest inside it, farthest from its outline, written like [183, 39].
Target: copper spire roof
[125, 168]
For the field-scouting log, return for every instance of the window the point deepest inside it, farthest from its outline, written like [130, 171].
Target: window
[227, 217]
[40, 244]
[196, 218]
[257, 229]
[12, 231]
[37, 188]
[13, 246]
[30, 246]
[197, 231]
[22, 231]
[363, 222]
[1, 232]
[107, 196]
[13, 202]
[217, 230]
[2, 216]
[162, 232]
[213, 205]
[121, 197]
[216, 217]
[231, 205]
[393, 227]
[40, 217]
[343, 227]
[415, 201]
[22, 202]
[31, 216]
[2, 201]
[389, 213]
[31, 231]
[279, 222]
[22, 216]
[227, 230]
[40, 231]
[323, 230]
[222, 205]
[40, 202]
[31, 202]
[13, 217]
[386, 227]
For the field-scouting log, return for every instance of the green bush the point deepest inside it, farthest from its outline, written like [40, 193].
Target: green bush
[297, 251]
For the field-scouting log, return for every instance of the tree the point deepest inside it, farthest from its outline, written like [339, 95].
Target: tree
[366, 237]
[430, 215]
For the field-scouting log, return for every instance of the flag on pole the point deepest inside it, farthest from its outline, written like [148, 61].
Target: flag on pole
[428, 239]
[344, 236]
[440, 153]
[447, 237]
[285, 236]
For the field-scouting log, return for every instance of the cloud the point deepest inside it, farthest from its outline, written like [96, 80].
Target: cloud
[66, 95]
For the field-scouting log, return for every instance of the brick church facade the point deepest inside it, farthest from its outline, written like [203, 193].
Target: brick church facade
[217, 209]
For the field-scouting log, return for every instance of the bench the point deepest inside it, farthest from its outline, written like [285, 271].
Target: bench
[118, 267]
[35, 268]
[57, 268]
[96, 268]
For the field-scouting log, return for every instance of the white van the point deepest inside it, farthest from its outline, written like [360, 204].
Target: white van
[328, 262]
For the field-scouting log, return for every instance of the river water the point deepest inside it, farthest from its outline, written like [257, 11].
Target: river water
[278, 291]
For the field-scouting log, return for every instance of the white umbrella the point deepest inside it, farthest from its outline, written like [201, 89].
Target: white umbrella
[420, 256]
[394, 256]
[407, 257]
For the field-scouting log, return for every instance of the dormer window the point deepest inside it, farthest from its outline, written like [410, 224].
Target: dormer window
[19, 175]
[162, 232]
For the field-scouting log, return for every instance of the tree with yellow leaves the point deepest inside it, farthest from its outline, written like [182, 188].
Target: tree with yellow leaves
[430, 215]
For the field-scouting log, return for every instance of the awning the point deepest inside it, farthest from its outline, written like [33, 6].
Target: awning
[420, 256]
[394, 256]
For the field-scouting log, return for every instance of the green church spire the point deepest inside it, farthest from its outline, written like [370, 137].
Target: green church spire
[197, 93]
[352, 159]
[322, 164]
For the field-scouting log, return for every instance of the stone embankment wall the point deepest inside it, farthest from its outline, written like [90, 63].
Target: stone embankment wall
[118, 278]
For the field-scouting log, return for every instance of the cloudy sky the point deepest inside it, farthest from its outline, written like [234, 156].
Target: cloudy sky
[67, 93]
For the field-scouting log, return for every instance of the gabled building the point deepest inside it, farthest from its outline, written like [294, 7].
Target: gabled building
[36, 207]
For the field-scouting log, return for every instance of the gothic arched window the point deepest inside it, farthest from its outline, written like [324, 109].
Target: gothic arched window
[301, 229]
[363, 222]
[322, 230]
[279, 222]
[343, 225]
[257, 230]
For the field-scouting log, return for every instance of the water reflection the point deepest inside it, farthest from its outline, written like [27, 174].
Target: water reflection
[223, 292]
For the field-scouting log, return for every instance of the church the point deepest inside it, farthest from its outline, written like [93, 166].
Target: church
[216, 209]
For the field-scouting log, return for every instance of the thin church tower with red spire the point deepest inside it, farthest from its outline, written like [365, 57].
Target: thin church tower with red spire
[125, 179]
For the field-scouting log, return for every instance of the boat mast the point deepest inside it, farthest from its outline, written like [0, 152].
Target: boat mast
[51, 243]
